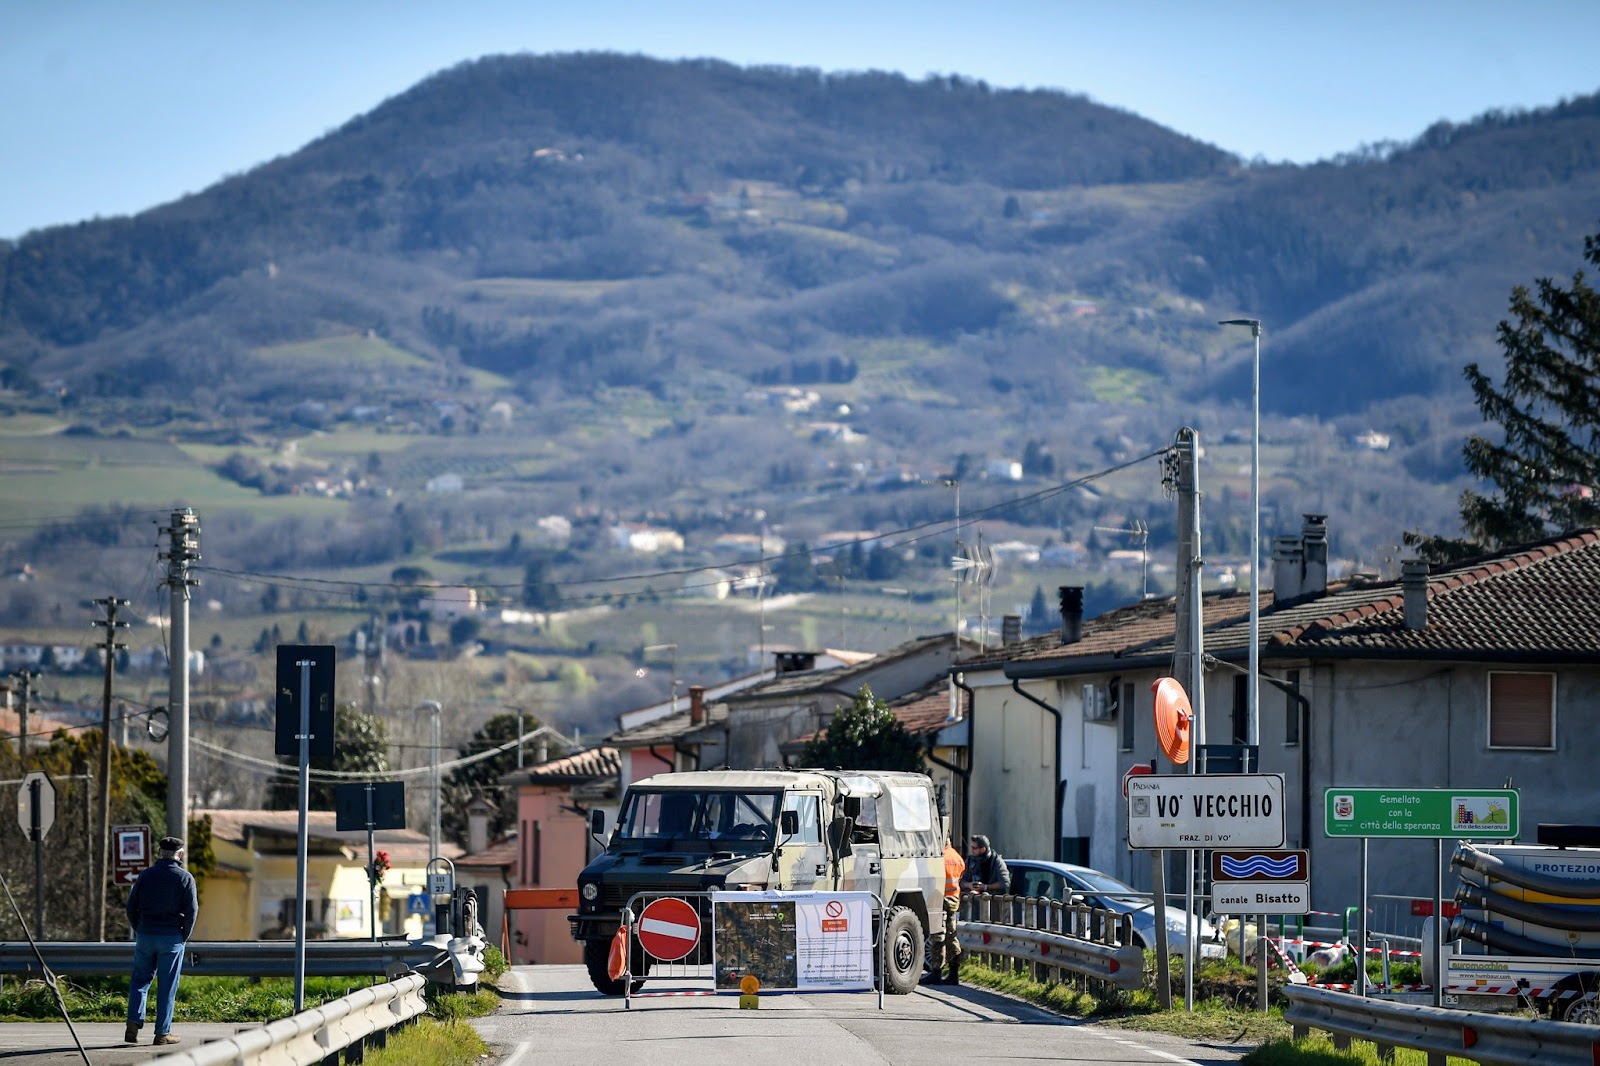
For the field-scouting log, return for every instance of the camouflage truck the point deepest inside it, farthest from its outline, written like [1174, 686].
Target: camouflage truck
[830, 830]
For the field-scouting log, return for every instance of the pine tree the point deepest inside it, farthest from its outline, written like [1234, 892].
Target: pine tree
[1546, 465]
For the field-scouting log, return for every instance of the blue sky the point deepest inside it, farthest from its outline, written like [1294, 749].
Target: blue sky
[113, 107]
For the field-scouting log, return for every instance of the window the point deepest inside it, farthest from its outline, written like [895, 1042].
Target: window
[1291, 710]
[1241, 710]
[1125, 709]
[807, 805]
[1522, 710]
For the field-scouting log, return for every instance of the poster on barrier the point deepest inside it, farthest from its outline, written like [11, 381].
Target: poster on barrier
[793, 941]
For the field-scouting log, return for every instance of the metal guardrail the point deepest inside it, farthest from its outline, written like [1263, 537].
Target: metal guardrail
[455, 961]
[1083, 940]
[1492, 1039]
[316, 1035]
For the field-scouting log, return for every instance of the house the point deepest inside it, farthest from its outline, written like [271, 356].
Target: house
[749, 728]
[1480, 673]
[489, 869]
[553, 844]
[932, 714]
[251, 894]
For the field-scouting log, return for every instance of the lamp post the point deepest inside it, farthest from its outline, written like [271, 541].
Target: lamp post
[434, 709]
[673, 648]
[1252, 695]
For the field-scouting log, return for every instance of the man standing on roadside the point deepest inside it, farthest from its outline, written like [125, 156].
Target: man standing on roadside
[946, 945]
[986, 870]
[162, 908]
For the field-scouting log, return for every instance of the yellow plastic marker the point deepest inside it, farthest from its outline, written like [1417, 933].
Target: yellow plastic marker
[749, 985]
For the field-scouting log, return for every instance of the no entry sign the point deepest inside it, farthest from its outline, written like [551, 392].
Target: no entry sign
[669, 929]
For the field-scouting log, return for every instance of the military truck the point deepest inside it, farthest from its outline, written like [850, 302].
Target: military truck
[830, 830]
[1531, 915]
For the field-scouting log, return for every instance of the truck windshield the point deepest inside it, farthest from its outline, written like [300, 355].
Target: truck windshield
[682, 815]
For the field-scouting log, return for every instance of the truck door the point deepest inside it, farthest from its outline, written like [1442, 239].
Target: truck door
[863, 867]
[802, 860]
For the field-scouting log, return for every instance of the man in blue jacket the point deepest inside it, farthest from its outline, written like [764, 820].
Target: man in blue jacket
[162, 908]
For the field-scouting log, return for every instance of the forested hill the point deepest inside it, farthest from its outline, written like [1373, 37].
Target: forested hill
[1022, 249]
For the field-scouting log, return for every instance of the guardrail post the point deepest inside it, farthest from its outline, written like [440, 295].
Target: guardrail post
[1385, 1052]
[1437, 1059]
[1340, 1041]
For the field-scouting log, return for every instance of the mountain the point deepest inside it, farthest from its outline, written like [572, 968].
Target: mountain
[580, 272]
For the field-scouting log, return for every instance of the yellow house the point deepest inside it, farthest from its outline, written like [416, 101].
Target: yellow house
[251, 894]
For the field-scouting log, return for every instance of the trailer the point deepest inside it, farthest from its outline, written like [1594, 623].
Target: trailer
[1530, 923]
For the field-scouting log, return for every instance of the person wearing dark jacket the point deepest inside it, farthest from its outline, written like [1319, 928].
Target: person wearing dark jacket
[986, 870]
[162, 908]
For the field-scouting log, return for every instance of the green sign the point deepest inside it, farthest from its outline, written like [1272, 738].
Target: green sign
[1477, 813]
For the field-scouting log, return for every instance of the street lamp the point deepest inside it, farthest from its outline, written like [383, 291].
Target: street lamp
[674, 682]
[1251, 696]
[433, 708]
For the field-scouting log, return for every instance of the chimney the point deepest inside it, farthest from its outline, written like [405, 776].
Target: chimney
[697, 704]
[1314, 552]
[1071, 613]
[477, 826]
[1414, 588]
[1288, 559]
[1010, 629]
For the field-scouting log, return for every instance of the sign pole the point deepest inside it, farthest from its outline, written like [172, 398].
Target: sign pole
[372, 860]
[36, 831]
[1361, 943]
[304, 738]
[1438, 922]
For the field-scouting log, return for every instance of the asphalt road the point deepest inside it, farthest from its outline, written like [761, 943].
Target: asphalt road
[552, 1015]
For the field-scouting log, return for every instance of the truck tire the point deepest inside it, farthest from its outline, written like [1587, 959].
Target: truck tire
[904, 943]
[595, 957]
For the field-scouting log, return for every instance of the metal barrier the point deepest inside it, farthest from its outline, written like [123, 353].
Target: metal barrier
[359, 1020]
[1087, 941]
[686, 968]
[451, 961]
[1494, 1040]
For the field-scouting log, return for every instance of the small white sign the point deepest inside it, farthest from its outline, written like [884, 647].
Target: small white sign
[441, 884]
[1205, 811]
[1260, 897]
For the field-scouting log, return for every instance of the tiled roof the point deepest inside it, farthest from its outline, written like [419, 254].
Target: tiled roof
[498, 855]
[666, 730]
[573, 769]
[839, 679]
[405, 846]
[922, 713]
[1538, 602]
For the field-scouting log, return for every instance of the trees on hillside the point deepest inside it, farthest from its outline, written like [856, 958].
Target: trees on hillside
[865, 736]
[1545, 466]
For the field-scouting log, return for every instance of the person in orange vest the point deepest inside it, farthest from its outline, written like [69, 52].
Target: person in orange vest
[946, 962]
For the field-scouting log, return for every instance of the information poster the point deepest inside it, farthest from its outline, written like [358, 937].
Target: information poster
[793, 941]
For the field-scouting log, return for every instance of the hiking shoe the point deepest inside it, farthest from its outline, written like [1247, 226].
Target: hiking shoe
[165, 1038]
[131, 1035]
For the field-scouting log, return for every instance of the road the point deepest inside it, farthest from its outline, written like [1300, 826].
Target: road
[552, 1015]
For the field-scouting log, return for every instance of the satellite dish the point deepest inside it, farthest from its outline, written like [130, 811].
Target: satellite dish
[1173, 718]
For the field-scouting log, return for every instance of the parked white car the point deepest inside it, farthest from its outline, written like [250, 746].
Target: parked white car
[1067, 883]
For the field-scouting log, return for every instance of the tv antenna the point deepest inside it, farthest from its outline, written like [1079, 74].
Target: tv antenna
[974, 564]
[1137, 533]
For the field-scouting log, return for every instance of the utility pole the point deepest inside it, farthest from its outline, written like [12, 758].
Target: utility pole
[110, 648]
[24, 689]
[184, 540]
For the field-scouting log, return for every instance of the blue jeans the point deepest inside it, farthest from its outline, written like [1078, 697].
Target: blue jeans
[158, 956]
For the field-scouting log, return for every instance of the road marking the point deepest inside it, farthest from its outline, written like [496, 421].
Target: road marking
[515, 1056]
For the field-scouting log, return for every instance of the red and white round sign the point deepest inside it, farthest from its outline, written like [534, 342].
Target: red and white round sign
[669, 929]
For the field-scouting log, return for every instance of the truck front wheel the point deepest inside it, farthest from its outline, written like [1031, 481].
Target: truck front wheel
[596, 954]
[904, 942]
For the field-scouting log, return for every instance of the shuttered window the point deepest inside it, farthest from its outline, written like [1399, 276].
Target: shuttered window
[1522, 710]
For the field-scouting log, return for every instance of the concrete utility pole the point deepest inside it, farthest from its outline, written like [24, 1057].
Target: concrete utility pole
[103, 866]
[184, 539]
[24, 689]
[1189, 640]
